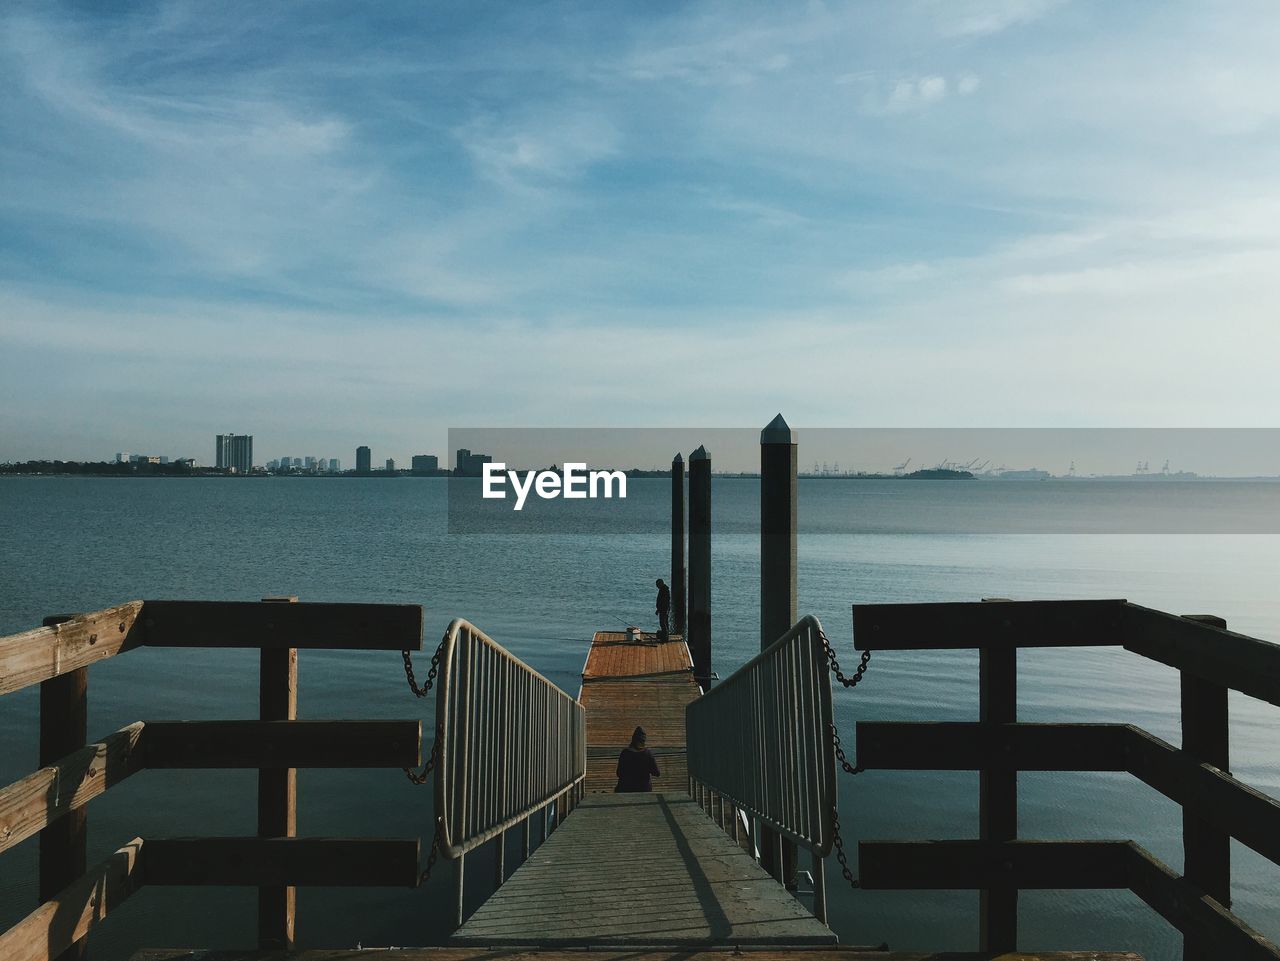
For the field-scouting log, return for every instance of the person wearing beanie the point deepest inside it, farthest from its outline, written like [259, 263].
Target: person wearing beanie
[636, 766]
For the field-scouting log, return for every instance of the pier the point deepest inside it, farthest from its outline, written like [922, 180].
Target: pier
[640, 869]
[727, 857]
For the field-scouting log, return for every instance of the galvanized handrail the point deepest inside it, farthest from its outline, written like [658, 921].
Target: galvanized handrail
[510, 742]
[762, 739]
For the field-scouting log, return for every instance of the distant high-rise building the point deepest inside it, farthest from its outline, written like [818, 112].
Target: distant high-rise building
[335, 465]
[122, 457]
[391, 465]
[469, 464]
[364, 460]
[284, 463]
[297, 462]
[424, 463]
[309, 462]
[234, 452]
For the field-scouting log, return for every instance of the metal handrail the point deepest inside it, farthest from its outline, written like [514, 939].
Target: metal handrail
[762, 738]
[510, 742]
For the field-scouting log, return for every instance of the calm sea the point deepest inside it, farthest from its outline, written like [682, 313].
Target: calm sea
[69, 544]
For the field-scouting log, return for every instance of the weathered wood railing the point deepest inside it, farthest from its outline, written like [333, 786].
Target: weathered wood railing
[1216, 807]
[52, 800]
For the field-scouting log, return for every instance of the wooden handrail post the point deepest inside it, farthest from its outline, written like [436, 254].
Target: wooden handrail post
[998, 793]
[1206, 850]
[63, 729]
[277, 788]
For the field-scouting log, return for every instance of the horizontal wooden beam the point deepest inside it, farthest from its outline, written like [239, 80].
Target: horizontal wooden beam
[909, 627]
[964, 746]
[1214, 795]
[326, 862]
[56, 925]
[283, 744]
[1246, 814]
[1237, 661]
[964, 865]
[37, 800]
[375, 627]
[1193, 912]
[47, 652]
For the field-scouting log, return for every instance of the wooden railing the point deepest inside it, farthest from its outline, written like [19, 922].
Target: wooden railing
[52, 801]
[1216, 807]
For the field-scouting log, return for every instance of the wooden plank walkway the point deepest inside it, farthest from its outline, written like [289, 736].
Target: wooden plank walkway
[626, 683]
[644, 870]
[640, 870]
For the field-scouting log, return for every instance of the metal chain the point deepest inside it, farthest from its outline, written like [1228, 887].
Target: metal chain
[835, 664]
[414, 776]
[859, 672]
[840, 756]
[838, 843]
[422, 777]
[431, 858]
[431, 674]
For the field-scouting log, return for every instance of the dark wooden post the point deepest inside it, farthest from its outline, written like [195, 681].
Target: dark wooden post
[1206, 850]
[277, 787]
[700, 565]
[677, 544]
[778, 609]
[63, 728]
[998, 792]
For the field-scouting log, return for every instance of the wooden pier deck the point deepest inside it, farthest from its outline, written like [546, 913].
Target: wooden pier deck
[627, 683]
[640, 869]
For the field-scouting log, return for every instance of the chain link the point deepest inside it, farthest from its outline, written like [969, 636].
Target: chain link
[415, 776]
[431, 858]
[838, 843]
[840, 755]
[422, 777]
[835, 664]
[859, 672]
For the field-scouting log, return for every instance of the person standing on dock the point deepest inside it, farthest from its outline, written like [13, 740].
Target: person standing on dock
[636, 765]
[664, 609]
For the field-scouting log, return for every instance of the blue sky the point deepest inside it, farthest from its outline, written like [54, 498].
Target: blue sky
[326, 224]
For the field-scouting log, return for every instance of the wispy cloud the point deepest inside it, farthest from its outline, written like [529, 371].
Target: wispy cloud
[971, 198]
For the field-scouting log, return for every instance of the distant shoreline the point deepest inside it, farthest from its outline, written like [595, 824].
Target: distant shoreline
[17, 470]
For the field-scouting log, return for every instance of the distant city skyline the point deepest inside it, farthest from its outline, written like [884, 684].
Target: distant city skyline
[1206, 451]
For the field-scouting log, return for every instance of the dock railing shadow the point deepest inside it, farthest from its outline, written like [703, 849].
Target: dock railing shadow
[1216, 807]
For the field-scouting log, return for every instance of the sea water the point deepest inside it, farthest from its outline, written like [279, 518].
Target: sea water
[78, 544]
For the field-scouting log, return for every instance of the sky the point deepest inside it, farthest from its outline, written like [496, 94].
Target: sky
[336, 224]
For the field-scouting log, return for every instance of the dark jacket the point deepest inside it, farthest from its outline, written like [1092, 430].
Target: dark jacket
[664, 598]
[636, 769]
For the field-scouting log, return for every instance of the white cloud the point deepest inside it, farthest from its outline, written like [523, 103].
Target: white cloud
[557, 144]
[985, 17]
